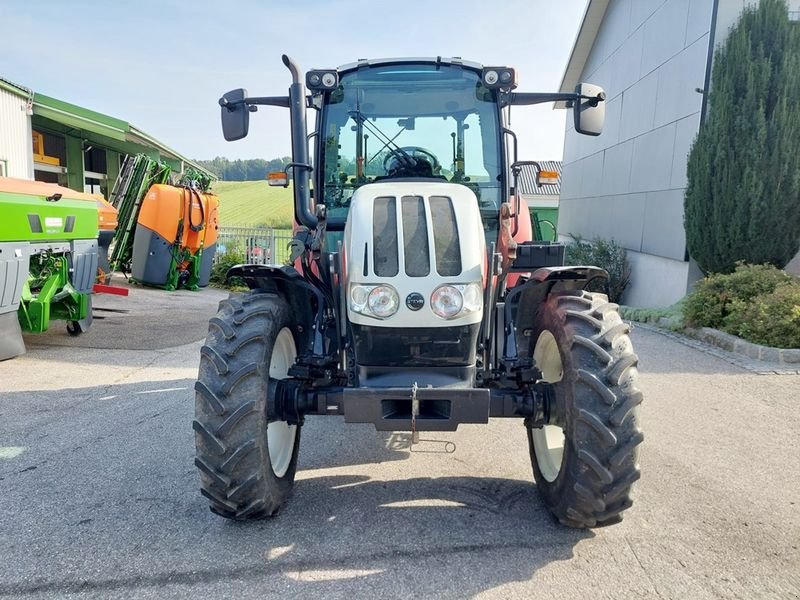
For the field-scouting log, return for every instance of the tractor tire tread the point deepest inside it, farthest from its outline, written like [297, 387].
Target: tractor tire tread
[230, 423]
[600, 465]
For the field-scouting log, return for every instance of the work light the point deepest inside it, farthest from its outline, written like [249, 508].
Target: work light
[322, 80]
[499, 77]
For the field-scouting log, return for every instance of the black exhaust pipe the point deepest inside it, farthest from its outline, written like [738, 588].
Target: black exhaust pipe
[297, 108]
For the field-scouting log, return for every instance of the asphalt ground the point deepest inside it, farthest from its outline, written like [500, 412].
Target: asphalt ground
[148, 318]
[99, 497]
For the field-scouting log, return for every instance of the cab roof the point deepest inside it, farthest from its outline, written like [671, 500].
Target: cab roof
[431, 60]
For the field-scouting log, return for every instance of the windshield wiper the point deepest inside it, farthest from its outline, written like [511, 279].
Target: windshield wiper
[359, 117]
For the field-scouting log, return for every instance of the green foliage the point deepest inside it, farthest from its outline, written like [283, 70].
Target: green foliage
[232, 257]
[743, 195]
[253, 169]
[605, 254]
[670, 317]
[254, 203]
[195, 177]
[715, 297]
[771, 319]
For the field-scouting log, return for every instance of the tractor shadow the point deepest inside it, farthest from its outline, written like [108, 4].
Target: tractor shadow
[117, 509]
[422, 536]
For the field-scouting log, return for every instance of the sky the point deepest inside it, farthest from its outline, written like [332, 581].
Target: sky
[163, 64]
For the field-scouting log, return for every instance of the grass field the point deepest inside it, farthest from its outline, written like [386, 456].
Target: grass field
[254, 203]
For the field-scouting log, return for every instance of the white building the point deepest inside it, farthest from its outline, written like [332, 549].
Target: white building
[16, 108]
[653, 58]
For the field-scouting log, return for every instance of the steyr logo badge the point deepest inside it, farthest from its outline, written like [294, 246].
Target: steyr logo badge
[415, 301]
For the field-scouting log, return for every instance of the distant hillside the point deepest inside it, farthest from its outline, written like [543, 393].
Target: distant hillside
[254, 203]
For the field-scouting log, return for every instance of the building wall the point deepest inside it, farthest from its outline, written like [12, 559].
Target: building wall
[628, 183]
[16, 152]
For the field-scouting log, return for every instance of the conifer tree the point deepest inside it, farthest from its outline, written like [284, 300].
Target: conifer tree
[743, 195]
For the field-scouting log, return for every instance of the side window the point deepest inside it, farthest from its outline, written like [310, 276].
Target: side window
[3, 168]
[475, 165]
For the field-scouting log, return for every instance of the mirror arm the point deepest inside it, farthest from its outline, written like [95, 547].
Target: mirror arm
[528, 98]
[258, 100]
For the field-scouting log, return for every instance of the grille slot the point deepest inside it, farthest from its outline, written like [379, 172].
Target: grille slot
[415, 237]
[384, 237]
[445, 236]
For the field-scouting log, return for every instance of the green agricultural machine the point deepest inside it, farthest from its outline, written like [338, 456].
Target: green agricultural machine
[48, 259]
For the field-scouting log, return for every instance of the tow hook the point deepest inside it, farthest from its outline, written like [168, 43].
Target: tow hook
[414, 415]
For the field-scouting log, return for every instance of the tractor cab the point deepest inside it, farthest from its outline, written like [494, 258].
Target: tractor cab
[419, 121]
[415, 299]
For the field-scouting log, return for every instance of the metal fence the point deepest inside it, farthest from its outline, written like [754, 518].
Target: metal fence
[259, 245]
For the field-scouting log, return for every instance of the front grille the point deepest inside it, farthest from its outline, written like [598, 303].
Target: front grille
[415, 237]
[384, 237]
[445, 237]
[416, 249]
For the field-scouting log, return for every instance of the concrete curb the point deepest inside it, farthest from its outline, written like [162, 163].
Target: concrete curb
[720, 339]
[731, 343]
[738, 359]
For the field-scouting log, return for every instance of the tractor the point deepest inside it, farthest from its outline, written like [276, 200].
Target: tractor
[415, 298]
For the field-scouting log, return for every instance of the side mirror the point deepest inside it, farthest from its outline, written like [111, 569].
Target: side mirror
[235, 115]
[589, 112]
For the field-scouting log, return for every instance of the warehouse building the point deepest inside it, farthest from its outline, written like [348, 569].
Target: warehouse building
[653, 58]
[50, 140]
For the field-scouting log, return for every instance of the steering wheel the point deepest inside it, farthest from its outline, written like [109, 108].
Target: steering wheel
[408, 155]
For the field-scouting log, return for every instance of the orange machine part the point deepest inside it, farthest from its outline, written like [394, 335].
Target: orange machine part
[12, 185]
[164, 206]
[106, 214]
[208, 236]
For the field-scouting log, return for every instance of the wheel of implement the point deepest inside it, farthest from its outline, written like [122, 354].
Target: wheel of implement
[247, 464]
[586, 461]
[74, 328]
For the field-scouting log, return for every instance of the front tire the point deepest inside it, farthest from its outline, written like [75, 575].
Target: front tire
[586, 461]
[247, 464]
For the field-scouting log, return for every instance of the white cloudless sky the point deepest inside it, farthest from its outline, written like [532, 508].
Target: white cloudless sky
[162, 64]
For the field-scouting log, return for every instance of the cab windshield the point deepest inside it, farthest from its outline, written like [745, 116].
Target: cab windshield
[413, 121]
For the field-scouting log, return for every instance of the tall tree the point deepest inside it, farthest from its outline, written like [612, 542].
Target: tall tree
[743, 195]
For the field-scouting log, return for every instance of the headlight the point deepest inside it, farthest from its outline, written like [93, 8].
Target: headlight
[383, 301]
[447, 301]
[380, 301]
[456, 300]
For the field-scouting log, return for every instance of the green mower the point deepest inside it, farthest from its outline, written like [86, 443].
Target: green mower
[48, 260]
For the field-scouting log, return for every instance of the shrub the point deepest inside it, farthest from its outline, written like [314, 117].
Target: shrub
[231, 258]
[605, 254]
[771, 319]
[715, 297]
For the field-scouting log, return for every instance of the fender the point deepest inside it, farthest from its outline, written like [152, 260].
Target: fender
[522, 300]
[312, 325]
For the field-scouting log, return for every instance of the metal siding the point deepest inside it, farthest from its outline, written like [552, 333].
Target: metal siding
[15, 142]
[527, 179]
[627, 184]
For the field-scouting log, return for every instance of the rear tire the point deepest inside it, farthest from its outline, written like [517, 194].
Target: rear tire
[247, 465]
[586, 463]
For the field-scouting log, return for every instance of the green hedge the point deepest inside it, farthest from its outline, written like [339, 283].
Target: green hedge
[756, 302]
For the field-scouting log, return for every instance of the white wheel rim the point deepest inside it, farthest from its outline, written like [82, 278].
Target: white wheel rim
[548, 442]
[281, 435]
